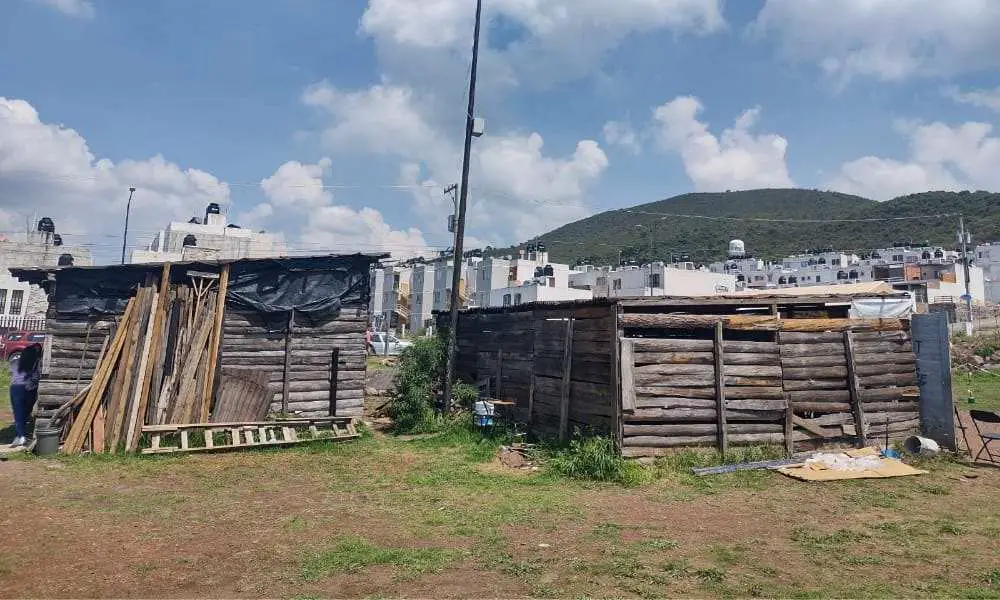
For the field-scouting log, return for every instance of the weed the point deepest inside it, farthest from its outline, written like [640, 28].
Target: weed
[992, 578]
[597, 459]
[676, 568]
[710, 575]
[862, 560]
[351, 555]
[935, 489]
[677, 467]
[950, 527]
[607, 531]
[658, 544]
[833, 542]
[726, 555]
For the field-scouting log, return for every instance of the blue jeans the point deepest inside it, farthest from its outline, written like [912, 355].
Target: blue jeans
[22, 401]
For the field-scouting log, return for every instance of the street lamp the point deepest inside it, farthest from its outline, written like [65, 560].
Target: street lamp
[128, 209]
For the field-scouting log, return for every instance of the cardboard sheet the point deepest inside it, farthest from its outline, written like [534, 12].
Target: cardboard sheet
[887, 467]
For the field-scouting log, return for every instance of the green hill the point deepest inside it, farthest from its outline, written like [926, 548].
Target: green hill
[598, 239]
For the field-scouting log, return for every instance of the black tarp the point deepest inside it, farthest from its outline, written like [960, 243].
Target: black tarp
[316, 288]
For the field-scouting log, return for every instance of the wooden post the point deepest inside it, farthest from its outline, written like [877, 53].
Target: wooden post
[286, 374]
[334, 369]
[628, 376]
[789, 429]
[531, 390]
[720, 389]
[567, 371]
[215, 344]
[137, 409]
[499, 395]
[855, 389]
[615, 349]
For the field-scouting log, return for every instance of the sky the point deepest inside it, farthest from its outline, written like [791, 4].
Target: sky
[338, 123]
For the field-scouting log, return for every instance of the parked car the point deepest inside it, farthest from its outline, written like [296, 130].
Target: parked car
[11, 344]
[378, 344]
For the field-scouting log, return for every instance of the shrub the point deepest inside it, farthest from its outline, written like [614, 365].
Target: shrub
[417, 380]
[595, 458]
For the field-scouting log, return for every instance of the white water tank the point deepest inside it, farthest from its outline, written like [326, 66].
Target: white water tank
[737, 248]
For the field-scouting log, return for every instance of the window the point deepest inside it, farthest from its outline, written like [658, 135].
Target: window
[517, 299]
[758, 278]
[14, 337]
[3, 300]
[16, 300]
[835, 262]
[506, 299]
[36, 337]
[618, 284]
[897, 258]
[654, 280]
[602, 281]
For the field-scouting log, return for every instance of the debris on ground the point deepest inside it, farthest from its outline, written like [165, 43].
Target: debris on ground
[517, 456]
[864, 463]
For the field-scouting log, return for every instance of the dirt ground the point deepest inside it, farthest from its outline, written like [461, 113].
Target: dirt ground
[435, 518]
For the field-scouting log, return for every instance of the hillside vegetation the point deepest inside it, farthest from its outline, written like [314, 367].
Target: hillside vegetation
[598, 239]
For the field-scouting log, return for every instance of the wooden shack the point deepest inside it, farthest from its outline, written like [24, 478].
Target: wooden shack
[292, 325]
[658, 373]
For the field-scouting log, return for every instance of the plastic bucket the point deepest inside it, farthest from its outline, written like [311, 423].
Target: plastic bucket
[916, 444]
[46, 441]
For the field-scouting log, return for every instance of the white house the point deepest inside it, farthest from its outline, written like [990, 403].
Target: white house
[654, 279]
[40, 248]
[422, 283]
[209, 238]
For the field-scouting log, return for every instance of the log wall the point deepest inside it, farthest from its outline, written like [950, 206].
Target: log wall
[804, 383]
[555, 364]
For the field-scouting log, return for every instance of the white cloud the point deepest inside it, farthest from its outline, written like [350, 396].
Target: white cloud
[557, 39]
[621, 134]
[48, 170]
[516, 191]
[942, 157]
[72, 8]
[980, 98]
[298, 190]
[737, 159]
[885, 39]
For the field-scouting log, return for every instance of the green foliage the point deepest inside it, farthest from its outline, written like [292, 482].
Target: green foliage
[418, 377]
[351, 555]
[595, 458]
[598, 238]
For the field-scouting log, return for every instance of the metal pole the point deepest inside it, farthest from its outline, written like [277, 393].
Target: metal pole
[385, 334]
[964, 238]
[456, 279]
[128, 209]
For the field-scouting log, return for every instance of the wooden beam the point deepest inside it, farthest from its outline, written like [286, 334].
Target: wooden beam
[720, 389]
[567, 369]
[789, 430]
[214, 343]
[288, 360]
[757, 323]
[628, 375]
[77, 433]
[855, 389]
[334, 368]
[137, 409]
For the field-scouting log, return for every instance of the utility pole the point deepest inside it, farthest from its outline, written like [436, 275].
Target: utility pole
[964, 238]
[453, 217]
[128, 209]
[456, 279]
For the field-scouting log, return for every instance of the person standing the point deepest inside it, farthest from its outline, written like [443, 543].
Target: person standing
[25, 371]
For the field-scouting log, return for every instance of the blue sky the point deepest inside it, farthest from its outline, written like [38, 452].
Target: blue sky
[339, 122]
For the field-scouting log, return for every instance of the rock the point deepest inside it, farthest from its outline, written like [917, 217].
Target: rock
[370, 391]
[512, 459]
[978, 359]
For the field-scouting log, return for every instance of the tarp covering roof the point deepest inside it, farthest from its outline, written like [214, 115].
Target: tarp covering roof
[316, 287]
[846, 289]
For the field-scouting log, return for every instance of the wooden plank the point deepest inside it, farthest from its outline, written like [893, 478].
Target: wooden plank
[75, 438]
[877, 347]
[820, 396]
[814, 373]
[756, 323]
[628, 375]
[720, 389]
[886, 394]
[675, 380]
[565, 394]
[799, 385]
[813, 361]
[855, 391]
[97, 437]
[875, 407]
[757, 404]
[820, 349]
[699, 429]
[138, 406]
[215, 340]
[288, 360]
[334, 373]
[789, 430]
[882, 358]
[824, 407]
[762, 393]
[692, 358]
[701, 393]
[748, 359]
[815, 429]
[663, 446]
[791, 337]
[896, 379]
[672, 402]
[669, 345]
[670, 369]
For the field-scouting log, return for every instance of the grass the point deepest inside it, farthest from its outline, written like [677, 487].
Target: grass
[983, 386]
[352, 555]
[436, 516]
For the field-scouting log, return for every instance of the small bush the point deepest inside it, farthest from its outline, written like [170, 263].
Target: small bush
[411, 406]
[595, 458]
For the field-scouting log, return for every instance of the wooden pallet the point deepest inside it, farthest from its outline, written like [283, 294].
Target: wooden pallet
[214, 437]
